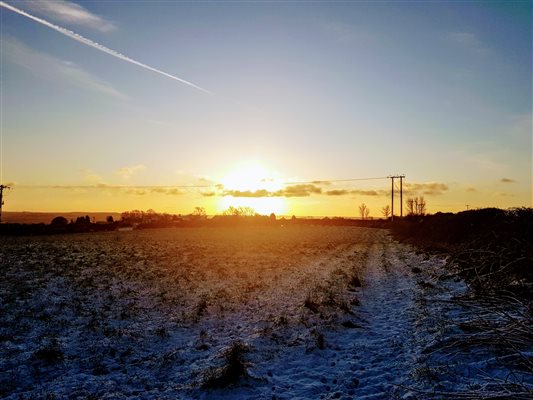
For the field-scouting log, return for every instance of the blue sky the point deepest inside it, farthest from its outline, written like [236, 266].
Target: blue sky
[440, 91]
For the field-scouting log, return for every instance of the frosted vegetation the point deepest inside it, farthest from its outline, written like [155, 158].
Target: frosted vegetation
[264, 312]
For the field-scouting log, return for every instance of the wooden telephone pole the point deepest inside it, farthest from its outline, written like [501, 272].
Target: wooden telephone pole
[392, 177]
[2, 187]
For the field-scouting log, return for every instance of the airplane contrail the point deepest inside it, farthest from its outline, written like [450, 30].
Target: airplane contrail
[98, 46]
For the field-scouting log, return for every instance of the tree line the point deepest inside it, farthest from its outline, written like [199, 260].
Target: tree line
[414, 206]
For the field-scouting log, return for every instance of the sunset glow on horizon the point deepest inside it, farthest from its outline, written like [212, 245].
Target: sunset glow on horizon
[292, 108]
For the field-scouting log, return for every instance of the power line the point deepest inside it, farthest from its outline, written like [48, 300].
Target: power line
[334, 180]
[105, 186]
[211, 185]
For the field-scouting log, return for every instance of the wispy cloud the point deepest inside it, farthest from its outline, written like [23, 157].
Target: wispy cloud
[429, 188]
[471, 189]
[88, 42]
[167, 191]
[127, 172]
[247, 193]
[49, 67]
[337, 192]
[507, 180]
[69, 13]
[468, 41]
[344, 192]
[371, 192]
[97, 184]
[300, 190]
[289, 191]
[93, 178]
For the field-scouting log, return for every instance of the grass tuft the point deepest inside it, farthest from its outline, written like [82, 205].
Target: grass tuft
[233, 369]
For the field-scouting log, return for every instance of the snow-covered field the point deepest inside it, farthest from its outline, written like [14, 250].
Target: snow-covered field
[249, 313]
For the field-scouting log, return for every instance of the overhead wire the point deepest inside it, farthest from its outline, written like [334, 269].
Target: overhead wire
[211, 185]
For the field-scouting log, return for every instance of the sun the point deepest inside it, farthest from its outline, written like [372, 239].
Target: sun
[251, 176]
[250, 184]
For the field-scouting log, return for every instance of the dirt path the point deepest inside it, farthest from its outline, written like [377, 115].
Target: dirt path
[370, 351]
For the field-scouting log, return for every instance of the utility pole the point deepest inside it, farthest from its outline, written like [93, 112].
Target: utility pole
[401, 194]
[2, 187]
[392, 177]
[392, 198]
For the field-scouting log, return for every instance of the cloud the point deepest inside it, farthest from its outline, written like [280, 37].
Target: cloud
[289, 191]
[371, 192]
[174, 192]
[429, 188]
[337, 192]
[204, 179]
[92, 178]
[167, 191]
[471, 189]
[137, 192]
[70, 13]
[298, 191]
[468, 41]
[88, 42]
[343, 192]
[127, 172]
[507, 180]
[51, 68]
[247, 193]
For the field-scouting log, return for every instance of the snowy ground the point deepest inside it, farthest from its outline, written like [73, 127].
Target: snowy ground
[318, 312]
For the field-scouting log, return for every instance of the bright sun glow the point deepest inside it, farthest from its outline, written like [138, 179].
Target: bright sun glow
[251, 177]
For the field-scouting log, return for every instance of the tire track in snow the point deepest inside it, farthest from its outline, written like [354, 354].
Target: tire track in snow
[368, 362]
[387, 302]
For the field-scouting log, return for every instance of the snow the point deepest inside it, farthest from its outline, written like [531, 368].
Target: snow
[147, 314]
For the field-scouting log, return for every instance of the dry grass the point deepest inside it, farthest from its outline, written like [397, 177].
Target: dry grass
[124, 295]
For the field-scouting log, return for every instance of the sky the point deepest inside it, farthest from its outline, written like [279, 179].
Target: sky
[287, 107]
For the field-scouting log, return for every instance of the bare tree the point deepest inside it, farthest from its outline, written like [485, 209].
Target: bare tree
[240, 211]
[410, 205]
[386, 211]
[199, 212]
[364, 211]
[420, 204]
[416, 205]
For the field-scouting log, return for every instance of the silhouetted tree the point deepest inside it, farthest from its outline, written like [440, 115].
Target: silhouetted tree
[416, 205]
[420, 205]
[410, 206]
[110, 219]
[199, 212]
[364, 211]
[59, 222]
[386, 211]
[240, 211]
